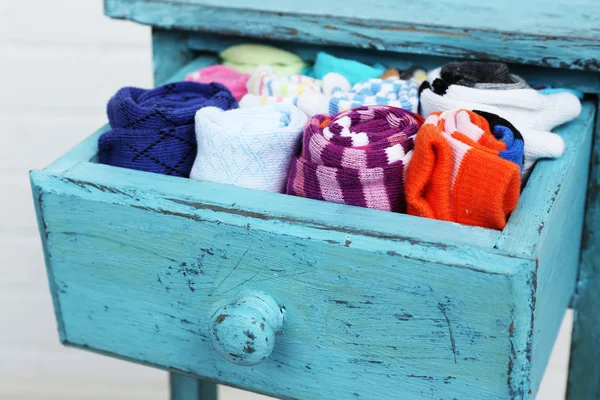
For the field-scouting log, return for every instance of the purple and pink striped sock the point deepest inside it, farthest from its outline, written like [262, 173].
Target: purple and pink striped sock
[357, 157]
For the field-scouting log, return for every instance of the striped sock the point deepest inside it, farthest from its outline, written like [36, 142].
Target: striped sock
[455, 176]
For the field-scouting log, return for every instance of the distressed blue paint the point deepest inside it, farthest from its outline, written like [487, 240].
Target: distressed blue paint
[243, 332]
[397, 302]
[169, 54]
[141, 266]
[556, 42]
[584, 373]
[187, 388]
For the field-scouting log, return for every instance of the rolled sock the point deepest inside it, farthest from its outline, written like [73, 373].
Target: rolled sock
[389, 92]
[525, 108]
[481, 75]
[357, 157]
[233, 80]
[248, 147]
[153, 130]
[246, 57]
[333, 81]
[352, 70]
[264, 82]
[507, 133]
[473, 128]
[452, 178]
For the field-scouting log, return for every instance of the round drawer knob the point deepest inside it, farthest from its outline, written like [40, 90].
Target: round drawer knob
[244, 332]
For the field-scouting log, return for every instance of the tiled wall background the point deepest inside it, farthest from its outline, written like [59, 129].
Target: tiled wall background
[60, 61]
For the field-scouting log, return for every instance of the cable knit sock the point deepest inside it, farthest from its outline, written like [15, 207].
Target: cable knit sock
[452, 180]
[248, 147]
[153, 130]
[357, 157]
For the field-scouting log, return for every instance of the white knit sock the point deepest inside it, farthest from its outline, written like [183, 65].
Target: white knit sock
[524, 108]
[247, 147]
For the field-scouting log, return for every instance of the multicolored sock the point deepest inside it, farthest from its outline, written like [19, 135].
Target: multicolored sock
[505, 131]
[453, 178]
[472, 126]
[265, 87]
[357, 157]
[389, 92]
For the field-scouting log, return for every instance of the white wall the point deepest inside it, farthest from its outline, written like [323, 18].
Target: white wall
[60, 61]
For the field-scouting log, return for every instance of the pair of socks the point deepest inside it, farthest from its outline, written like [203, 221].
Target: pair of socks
[357, 157]
[233, 80]
[352, 70]
[456, 173]
[247, 147]
[246, 57]
[389, 92]
[153, 130]
[532, 113]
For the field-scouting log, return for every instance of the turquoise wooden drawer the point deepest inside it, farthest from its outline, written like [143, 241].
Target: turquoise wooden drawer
[298, 298]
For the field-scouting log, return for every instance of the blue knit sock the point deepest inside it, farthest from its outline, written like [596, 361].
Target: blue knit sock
[153, 130]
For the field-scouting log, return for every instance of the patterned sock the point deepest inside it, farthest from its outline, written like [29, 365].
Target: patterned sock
[233, 80]
[153, 130]
[389, 92]
[537, 115]
[265, 87]
[357, 157]
[455, 179]
[248, 147]
[506, 132]
[471, 126]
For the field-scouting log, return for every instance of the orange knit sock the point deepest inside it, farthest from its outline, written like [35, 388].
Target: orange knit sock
[456, 174]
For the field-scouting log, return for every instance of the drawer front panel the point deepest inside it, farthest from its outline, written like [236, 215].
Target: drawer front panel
[142, 283]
